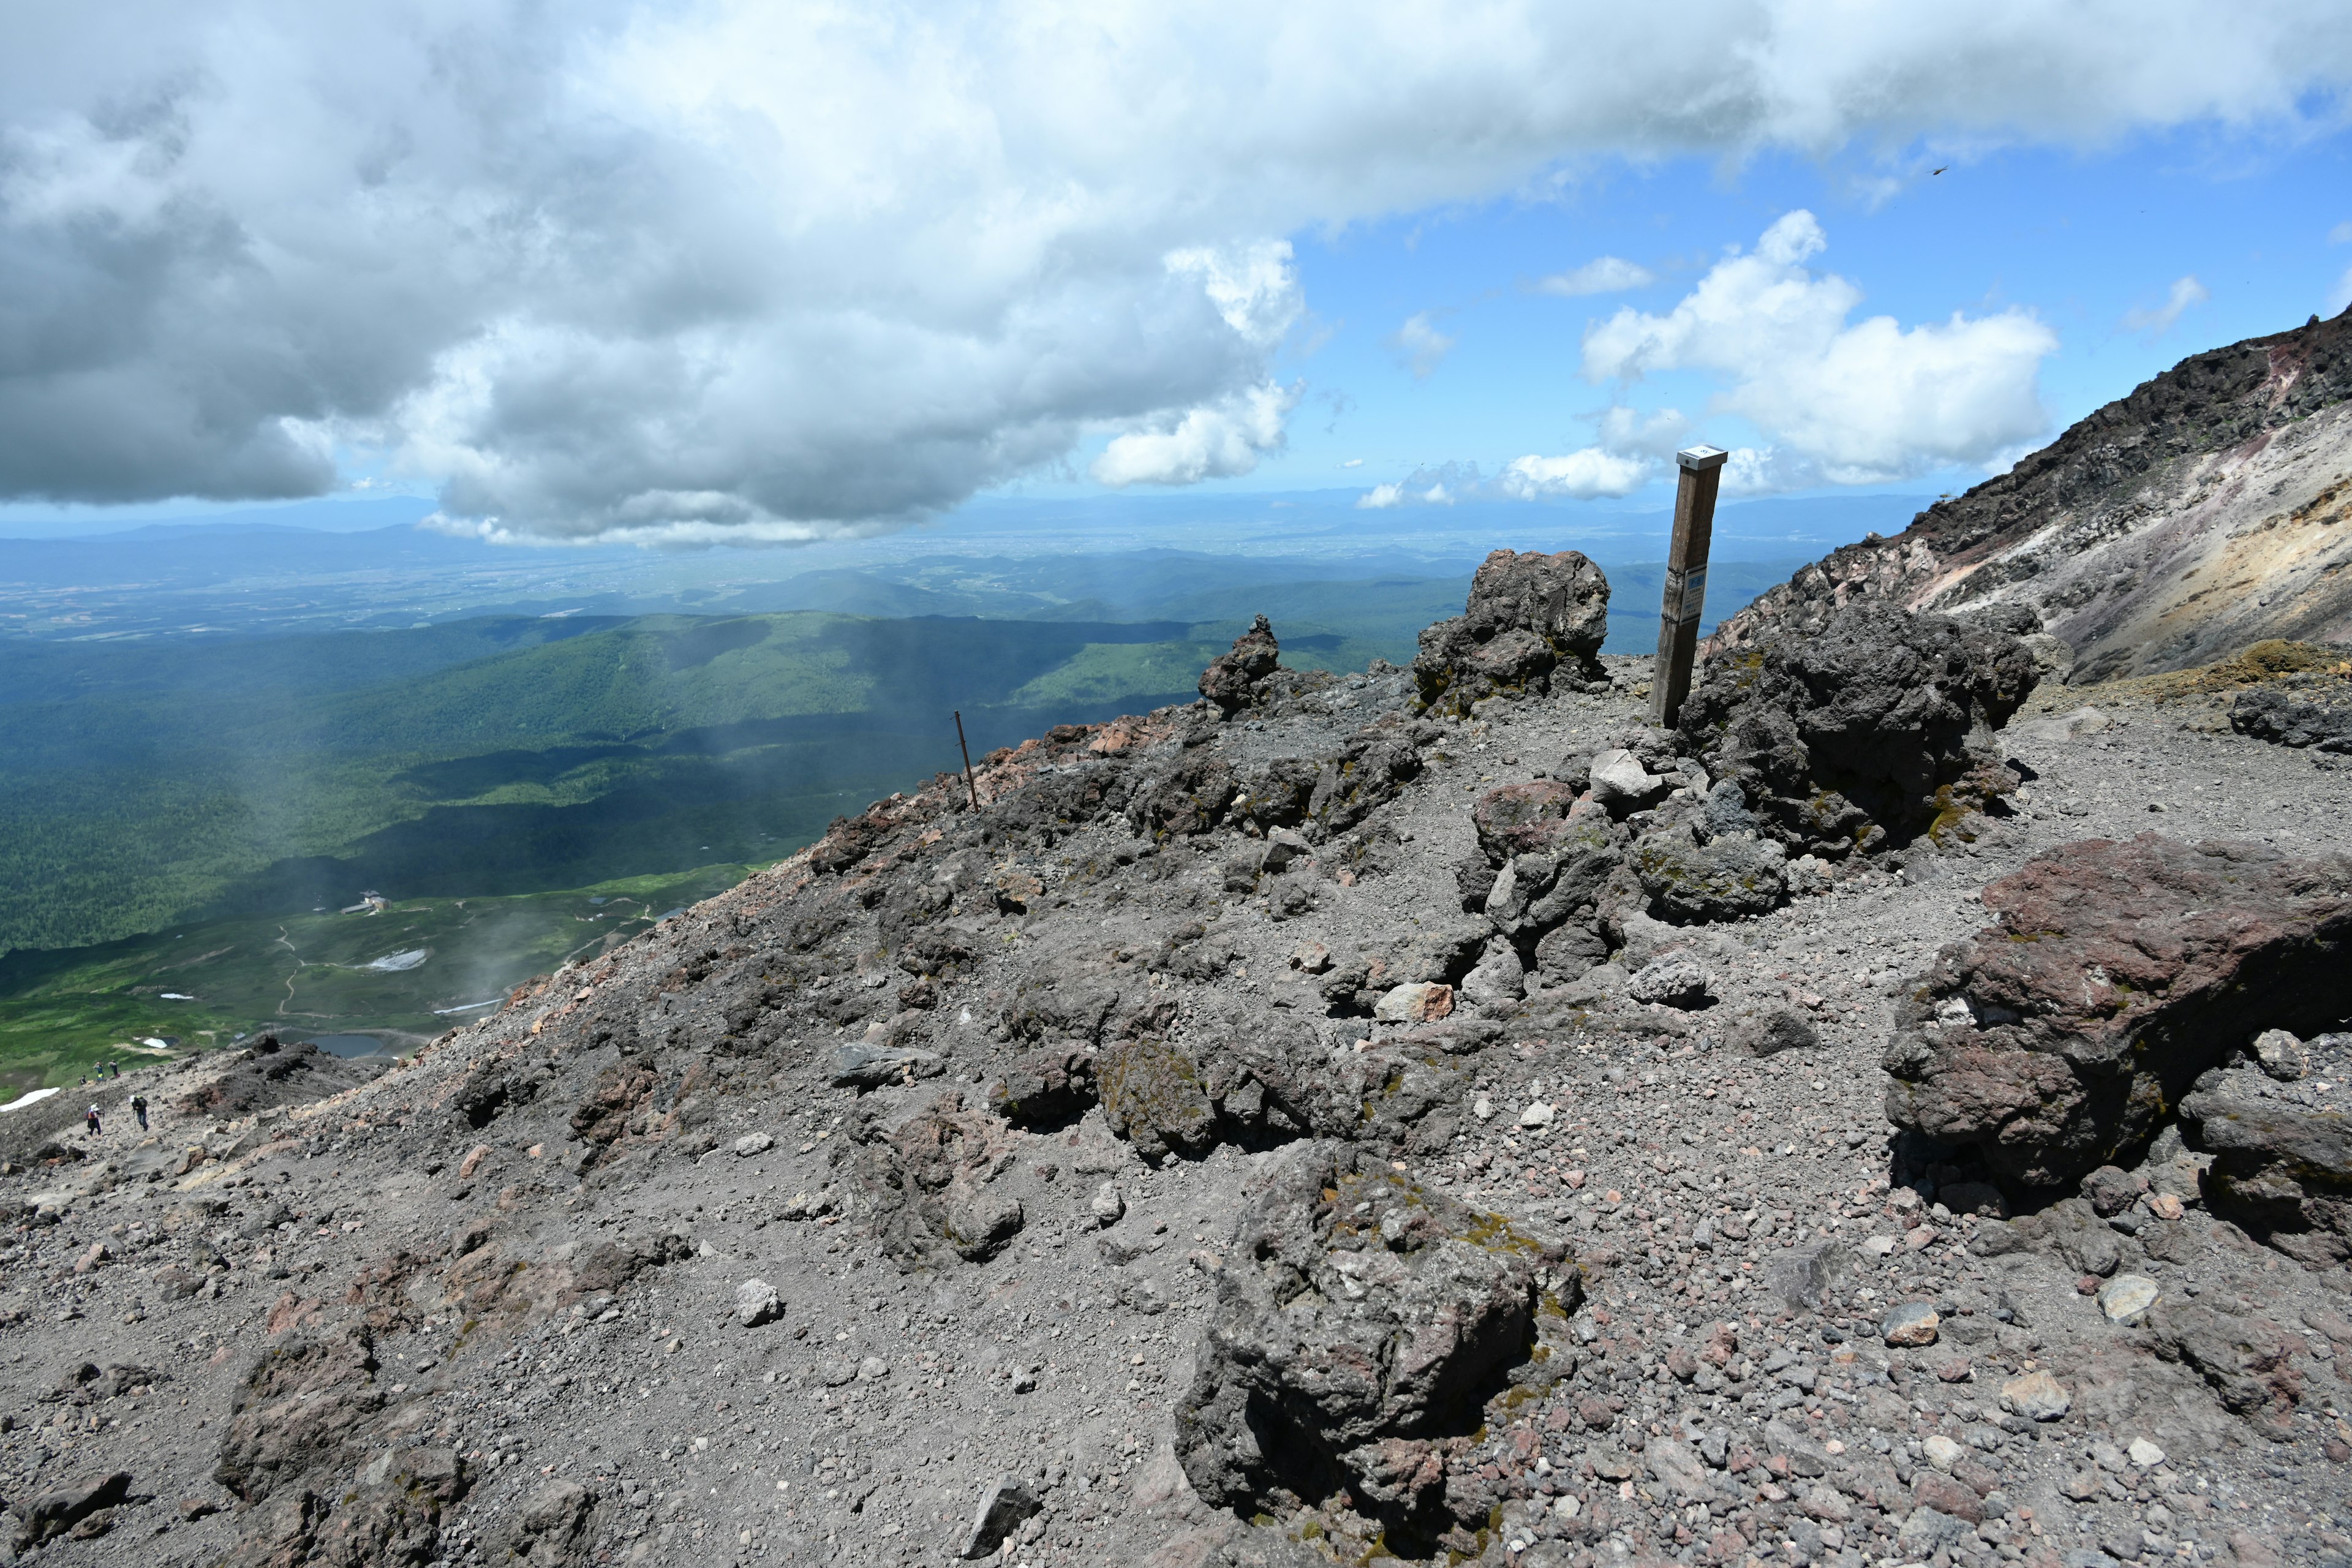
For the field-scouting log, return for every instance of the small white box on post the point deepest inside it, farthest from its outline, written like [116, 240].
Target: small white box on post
[1685, 596]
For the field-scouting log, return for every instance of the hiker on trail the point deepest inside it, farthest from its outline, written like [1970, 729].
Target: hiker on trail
[139, 1108]
[94, 1127]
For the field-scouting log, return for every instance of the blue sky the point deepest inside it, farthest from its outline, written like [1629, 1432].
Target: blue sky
[2091, 244]
[776, 271]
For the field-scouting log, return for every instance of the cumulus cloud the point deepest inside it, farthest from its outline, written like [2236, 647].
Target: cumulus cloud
[2153, 324]
[785, 270]
[1606, 275]
[1209, 443]
[1583, 474]
[1851, 402]
[1421, 346]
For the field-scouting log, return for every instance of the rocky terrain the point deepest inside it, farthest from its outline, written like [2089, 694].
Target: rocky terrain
[1896, 1116]
[2204, 512]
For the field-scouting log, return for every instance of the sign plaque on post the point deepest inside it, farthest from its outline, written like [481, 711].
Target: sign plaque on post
[1702, 471]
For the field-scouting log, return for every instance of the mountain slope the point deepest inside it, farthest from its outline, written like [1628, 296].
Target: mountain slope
[2200, 513]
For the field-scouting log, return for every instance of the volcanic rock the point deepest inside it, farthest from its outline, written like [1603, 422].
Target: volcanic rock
[1361, 1327]
[1865, 735]
[1231, 678]
[2282, 1162]
[1531, 620]
[2118, 973]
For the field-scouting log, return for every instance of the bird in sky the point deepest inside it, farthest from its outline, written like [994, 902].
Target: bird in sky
[1933, 172]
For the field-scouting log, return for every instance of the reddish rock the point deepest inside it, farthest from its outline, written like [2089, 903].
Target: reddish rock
[2117, 974]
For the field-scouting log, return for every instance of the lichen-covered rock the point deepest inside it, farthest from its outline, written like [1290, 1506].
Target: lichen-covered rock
[2052, 1042]
[1152, 1096]
[2281, 1160]
[923, 1189]
[1688, 879]
[1231, 678]
[1362, 1324]
[1866, 735]
[1532, 619]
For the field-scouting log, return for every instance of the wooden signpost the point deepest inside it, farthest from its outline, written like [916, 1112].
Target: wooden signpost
[1702, 471]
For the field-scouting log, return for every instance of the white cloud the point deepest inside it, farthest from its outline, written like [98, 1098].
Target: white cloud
[1421, 346]
[2341, 234]
[2184, 292]
[1582, 474]
[1379, 498]
[1607, 274]
[1353, 463]
[791, 269]
[1213, 442]
[1860, 402]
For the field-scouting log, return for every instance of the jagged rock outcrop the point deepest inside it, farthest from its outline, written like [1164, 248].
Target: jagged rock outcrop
[1532, 620]
[1864, 734]
[1232, 678]
[1362, 1324]
[2282, 1157]
[2204, 510]
[2054, 1041]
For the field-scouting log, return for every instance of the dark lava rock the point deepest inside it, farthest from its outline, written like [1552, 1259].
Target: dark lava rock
[1531, 620]
[923, 1186]
[1231, 678]
[57, 1511]
[2052, 1042]
[1363, 1323]
[2317, 715]
[1864, 737]
[1691, 877]
[1045, 1088]
[2282, 1163]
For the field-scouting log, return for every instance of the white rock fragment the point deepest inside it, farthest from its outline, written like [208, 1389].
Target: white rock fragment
[1538, 1114]
[757, 1302]
[2126, 1297]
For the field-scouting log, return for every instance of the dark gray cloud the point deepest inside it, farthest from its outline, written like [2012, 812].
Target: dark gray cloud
[778, 270]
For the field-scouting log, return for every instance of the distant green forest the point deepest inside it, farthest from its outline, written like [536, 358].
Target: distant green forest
[159, 779]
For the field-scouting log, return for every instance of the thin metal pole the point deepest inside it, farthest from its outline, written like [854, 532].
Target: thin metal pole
[1685, 596]
[967, 761]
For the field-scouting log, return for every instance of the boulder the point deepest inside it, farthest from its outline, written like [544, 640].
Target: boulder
[54, 1512]
[1688, 879]
[1232, 678]
[300, 1405]
[2318, 717]
[1871, 733]
[1772, 1031]
[554, 1526]
[1361, 1329]
[1153, 1095]
[1677, 980]
[1622, 785]
[1532, 620]
[2281, 1165]
[2117, 974]
[757, 1303]
[864, 1066]
[923, 1187]
[1045, 1088]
